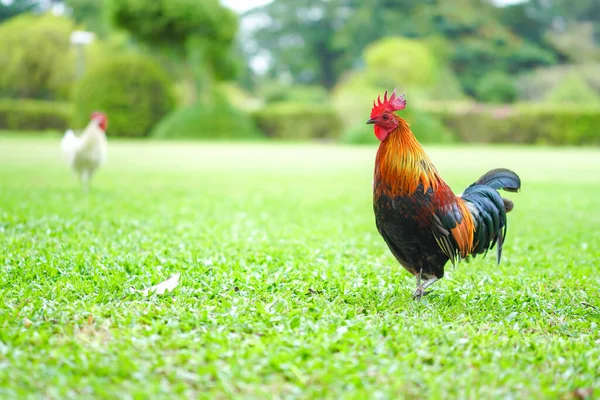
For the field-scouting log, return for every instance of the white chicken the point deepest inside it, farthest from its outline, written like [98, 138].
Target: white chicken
[86, 153]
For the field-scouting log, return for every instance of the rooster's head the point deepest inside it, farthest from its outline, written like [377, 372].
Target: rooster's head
[382, 114]
[100, 118]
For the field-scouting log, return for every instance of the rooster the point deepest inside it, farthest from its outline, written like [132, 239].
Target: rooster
[422, 221]
[86, 153]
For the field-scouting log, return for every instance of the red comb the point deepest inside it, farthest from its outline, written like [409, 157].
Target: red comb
[100, 117]
[97, 114]
[388, 105]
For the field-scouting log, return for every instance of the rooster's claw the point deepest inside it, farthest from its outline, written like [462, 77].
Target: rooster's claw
[419, 293]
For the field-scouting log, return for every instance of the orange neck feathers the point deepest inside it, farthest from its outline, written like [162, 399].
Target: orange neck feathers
[402, 164]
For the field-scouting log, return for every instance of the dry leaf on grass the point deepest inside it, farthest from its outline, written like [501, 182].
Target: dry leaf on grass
[162, 287]
[579, 394]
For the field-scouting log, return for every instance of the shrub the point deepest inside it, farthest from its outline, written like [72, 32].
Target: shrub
[573, 89]
[274, 92]
[218, 120]
[353, 100]
[427, 128]
[238, 97]
[537, 84]
[36, 61]
[22, 115]
[497, 87]
[298, 121]
[359, 134]
[448, 88]
[526, 124]
[133, 90]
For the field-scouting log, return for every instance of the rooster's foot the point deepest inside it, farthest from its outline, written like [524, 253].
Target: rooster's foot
[420, 291]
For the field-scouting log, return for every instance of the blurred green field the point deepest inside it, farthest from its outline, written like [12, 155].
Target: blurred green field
[286, 288]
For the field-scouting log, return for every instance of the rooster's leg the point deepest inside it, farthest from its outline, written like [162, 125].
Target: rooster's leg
[420, 291]
[84, 178]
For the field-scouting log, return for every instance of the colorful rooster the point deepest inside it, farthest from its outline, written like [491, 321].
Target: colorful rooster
[422, 221]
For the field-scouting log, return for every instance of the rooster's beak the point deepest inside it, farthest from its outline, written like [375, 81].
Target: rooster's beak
[371, 121]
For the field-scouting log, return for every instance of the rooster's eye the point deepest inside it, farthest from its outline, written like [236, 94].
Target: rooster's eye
[385, 117]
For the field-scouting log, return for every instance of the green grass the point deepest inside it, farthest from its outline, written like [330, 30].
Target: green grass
[286, 288]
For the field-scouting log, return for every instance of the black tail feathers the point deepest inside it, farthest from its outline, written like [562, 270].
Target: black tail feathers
[500, 178]
[489, 209]
[508, 204]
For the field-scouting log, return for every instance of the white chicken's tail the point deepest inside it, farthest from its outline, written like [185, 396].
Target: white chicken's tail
[69, 144]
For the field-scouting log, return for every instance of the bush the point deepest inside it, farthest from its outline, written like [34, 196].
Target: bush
[36, 61]
[573, 89]
[448, 88]
[274, 92]
[238, 97]
[353, 100]
[298, 121]
[133, 90]
[537, 84]
[526, 124]
[426, 127]
[35, 115]
[497, 87]
[218, 120]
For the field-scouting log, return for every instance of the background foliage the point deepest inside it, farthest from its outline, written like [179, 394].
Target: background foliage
[34, 115]
[36, 61]
[216, 120]
[133, 90]
[309, 69]
[198, 36]
[286, 285]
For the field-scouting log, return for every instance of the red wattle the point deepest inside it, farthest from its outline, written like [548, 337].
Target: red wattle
[380, 133]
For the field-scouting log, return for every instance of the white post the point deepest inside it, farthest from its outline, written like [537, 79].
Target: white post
[81, 39]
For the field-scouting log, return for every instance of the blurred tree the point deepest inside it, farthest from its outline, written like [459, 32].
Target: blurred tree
[315, 41]
[300, 37]
[16, 7]
[115, 44]
[565, 11]
[577, 43]
[396, 60]
[480, 42]
[36, 60]
[561, 15]
[522, 20]
[497, 87]
[89, 13]
[200, 33]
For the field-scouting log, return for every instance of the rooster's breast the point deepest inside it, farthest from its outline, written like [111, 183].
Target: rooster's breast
[404, 222]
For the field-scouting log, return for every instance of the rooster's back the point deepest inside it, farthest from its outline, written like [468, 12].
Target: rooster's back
[69, 145]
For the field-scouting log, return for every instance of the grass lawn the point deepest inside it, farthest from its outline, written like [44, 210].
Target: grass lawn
[286, 288]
